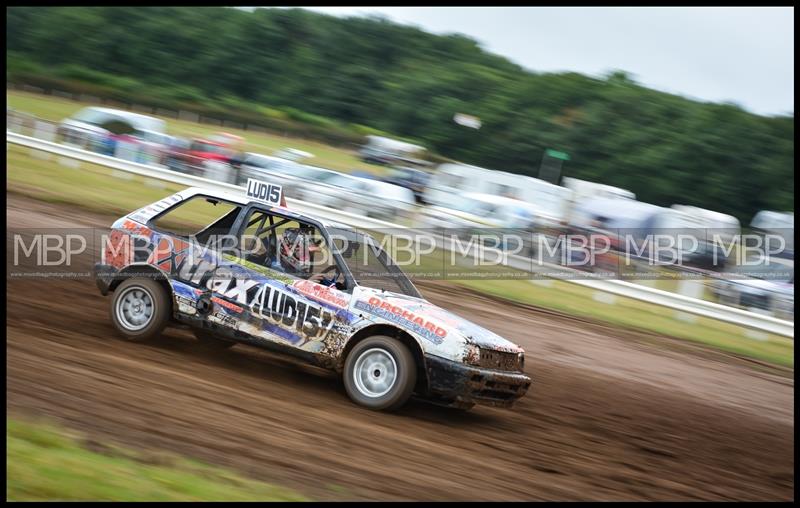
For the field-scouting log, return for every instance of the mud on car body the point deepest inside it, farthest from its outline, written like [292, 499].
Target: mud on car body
[384, 338]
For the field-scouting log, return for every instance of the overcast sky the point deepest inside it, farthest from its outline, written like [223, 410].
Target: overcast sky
[743, 55]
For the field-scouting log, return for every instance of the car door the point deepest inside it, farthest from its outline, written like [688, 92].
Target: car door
[279, 306]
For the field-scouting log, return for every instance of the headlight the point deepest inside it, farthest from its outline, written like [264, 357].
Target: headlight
[473, 356]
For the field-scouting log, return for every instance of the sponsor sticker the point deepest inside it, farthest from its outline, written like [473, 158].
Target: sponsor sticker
[321, 293]
[403, 317]
[227, 305]
[222, 319]
[294, 318]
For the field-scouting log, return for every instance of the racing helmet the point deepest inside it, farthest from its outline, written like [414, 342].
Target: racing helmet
[295, 250]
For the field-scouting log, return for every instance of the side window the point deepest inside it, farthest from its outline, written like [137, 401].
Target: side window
[284, 245]
[199, 217]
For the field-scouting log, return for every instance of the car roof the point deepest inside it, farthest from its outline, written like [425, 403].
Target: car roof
[241, 198]
[768, 219]
[709, 215]
[124, 114]
[136, 120]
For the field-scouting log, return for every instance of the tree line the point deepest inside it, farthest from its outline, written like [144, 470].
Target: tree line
[387, 77]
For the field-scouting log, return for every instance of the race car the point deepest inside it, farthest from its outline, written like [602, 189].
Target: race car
[243, 268]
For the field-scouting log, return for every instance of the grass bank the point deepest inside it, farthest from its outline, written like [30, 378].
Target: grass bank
[48, 463]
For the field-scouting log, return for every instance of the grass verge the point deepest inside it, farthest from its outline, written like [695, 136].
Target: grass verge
[47, 463]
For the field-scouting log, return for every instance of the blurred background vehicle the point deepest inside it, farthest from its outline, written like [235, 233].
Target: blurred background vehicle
[413, 178]
[192, 159]
[583, 190]
[214, 154]
[363, 196]
[768, 287]
[776, 223]
[291, 175]
[713, 231]
[387, 151]
[474, 209]
[104, 130]
[641, 222]
[451, 180]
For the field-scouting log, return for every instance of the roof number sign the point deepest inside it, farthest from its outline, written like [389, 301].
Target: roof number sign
[265, 192]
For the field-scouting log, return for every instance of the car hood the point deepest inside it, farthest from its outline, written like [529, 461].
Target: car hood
[413, 310]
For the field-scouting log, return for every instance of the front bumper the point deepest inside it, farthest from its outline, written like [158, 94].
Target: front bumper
[467, 384]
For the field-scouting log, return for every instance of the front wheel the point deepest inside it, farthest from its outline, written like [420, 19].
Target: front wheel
[380, 373]
[140, 309]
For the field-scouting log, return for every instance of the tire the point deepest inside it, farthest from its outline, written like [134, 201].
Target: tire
[373, 358]
[209, 340]
[129, 309]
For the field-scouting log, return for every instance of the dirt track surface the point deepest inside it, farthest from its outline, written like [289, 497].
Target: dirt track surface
[611, 414]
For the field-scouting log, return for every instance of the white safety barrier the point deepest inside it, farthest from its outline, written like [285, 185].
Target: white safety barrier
[666, 299]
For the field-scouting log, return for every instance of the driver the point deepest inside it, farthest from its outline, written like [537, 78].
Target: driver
[295, 254]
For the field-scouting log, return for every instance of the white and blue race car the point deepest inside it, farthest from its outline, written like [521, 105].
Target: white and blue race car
[242, 268]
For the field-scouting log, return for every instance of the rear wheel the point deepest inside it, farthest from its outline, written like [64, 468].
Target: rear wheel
[380, 373]
[140, 309]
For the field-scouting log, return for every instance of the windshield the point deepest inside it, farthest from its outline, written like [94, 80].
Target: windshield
[91, 116]
[370, 265]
